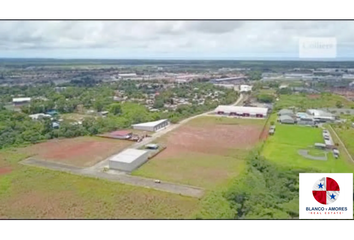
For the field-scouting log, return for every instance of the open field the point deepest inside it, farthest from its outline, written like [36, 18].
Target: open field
[312, 101]
[35, 193]
[283, 147]
[205, 152]
[347, 137]
[80, 152]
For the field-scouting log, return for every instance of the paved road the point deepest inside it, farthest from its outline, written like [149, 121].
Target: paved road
[96, 171]
[120, 177]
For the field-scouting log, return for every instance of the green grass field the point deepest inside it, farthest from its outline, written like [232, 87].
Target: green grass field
[347, 137]
[193, 162]
[306, 102]
[282, 148]
[35, 193]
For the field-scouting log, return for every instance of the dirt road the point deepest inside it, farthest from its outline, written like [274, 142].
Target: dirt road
[97, 171]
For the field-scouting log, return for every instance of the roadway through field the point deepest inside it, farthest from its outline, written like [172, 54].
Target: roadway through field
[120, 177]
[97, 171]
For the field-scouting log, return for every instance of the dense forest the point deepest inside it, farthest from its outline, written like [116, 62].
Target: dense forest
[17, 128]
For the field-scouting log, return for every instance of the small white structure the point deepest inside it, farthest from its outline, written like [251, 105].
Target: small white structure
[245, 88]
[38, 116]
[152, 126]
[242, 111]
[20, 101]
[128, 160]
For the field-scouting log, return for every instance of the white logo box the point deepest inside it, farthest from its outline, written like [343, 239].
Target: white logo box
[320, 47]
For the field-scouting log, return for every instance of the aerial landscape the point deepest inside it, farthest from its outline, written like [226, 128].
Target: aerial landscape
[156, 136]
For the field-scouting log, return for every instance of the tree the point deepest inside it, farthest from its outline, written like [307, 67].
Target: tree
[339, 104]
[265, 98]
[115, 109]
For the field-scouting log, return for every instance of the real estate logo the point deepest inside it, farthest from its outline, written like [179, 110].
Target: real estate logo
[318, 47]
[326, 190]
[319, 196]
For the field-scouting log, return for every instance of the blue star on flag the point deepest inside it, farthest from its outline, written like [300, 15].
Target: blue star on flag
[320, 185]
[333, 196]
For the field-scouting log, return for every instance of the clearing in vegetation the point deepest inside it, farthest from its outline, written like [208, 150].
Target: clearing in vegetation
[36, 193]
[283, 147]
[205, 152]
[79, 152]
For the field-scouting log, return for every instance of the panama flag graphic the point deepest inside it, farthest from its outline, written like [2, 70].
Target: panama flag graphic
[326, 190]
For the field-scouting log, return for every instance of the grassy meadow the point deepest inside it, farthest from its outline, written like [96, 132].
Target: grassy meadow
[35, 193]
[303, 101]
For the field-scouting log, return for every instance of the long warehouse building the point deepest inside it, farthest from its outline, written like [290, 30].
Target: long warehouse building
[128, 160]
[242, 111]
[152, 126]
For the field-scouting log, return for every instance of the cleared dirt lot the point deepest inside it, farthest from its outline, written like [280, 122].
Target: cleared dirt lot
[80, 152]
[205, 152]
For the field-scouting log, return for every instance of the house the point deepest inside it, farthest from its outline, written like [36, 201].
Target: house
[39, 116]
[121, 134]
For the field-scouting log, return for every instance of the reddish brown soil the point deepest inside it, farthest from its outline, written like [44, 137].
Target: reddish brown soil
[81, 152]
[313, 96]
[215, 139]
[5, 170]
[264, 134]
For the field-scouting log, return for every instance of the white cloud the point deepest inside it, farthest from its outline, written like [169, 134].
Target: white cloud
[170, 37]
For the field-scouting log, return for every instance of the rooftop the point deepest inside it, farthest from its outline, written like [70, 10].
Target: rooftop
[285, 117]
[121, 133]
[128, 155]
[150, 124]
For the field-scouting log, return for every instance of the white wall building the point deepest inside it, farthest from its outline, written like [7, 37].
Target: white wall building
[245, 88]
[128, 160]
[242, 111]
[152, 126]
[18, 101]
[320, 115]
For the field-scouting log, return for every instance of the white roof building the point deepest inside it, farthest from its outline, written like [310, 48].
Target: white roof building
[239, 110]
[245, 88]
[128, 160]
[39, 116]
[21, 100]
[152, 126]
[321, 115]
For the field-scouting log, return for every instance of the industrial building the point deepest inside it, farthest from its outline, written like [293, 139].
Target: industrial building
[286, 112]
[286, 119]
[128, 160]
[21, 101]
[320, 115]
[152, 126]
[242, 111]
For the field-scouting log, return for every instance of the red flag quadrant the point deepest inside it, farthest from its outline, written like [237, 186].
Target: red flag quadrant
[320, 196]
[331, 185]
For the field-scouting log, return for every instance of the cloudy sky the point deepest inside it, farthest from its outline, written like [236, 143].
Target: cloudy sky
[168, 39]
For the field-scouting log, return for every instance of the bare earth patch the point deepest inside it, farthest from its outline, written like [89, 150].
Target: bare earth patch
[204, 154]
[80, 152]
[5, 170]
[216, 139]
